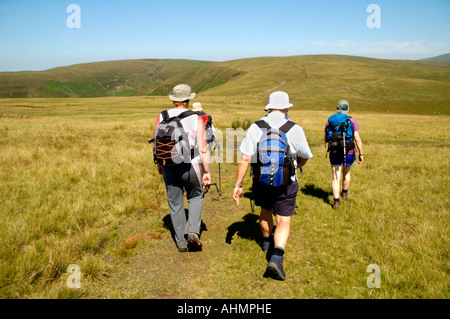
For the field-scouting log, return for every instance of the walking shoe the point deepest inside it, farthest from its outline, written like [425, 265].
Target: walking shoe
[194, 242]
[336, 204]
[182, 249]
[344, 195]
[275, 268]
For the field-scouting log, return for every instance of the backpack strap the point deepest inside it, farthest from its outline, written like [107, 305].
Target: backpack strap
[165, 116]
[186, 114]
[263, 125]
[286, 127]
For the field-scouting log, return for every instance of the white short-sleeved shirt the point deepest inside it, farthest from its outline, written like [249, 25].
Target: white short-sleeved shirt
[190, 127]
[298, 144]
[189, 124]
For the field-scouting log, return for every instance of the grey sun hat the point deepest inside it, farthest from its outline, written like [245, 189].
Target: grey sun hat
[342, 107]
[181, 92]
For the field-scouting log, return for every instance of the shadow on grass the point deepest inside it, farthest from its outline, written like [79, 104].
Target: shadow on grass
[312, 190]
[248, 229]
[168, 224]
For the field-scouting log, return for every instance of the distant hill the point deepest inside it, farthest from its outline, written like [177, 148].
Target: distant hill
[319, 81]
[112, 78]
[314, 82]
[439, 58]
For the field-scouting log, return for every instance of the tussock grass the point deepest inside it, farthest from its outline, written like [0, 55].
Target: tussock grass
[78, 186]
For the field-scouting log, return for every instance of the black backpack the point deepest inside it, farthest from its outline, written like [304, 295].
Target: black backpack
[171, 144]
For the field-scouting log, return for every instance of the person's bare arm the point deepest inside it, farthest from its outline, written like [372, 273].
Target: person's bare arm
[204, 153]
[360, 147]
[240, 174]
[301, 161]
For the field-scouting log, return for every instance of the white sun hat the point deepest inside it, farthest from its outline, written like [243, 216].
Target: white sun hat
[279, 101]
[181, 92]
[197, 106]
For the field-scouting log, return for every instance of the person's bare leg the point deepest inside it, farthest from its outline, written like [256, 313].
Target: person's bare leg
[346, 181]
[266, 222]
[335, 180]
[282, 231]
[275, 266]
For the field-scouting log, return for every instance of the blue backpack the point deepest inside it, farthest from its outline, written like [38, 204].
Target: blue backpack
[340, 134]
[274, 166]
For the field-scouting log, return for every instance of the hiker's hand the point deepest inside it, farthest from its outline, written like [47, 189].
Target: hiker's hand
[237, 194]
[206, 180]
[159, 166]
[360, 159]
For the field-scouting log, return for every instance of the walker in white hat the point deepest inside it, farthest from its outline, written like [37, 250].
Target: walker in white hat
[197, 107]
[279, 101]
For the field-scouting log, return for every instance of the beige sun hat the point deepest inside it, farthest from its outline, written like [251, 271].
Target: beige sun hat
[181, 92]
[197, 106]
[279, 101]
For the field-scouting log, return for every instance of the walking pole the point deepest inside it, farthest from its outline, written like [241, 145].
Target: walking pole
[219, 159]
[345, 155]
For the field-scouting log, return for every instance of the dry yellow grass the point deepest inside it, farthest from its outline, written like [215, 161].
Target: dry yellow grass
[78, 186]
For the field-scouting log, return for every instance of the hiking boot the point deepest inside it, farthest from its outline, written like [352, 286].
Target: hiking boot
[336, 204]
[194, 242]
[274, 269]
[344, 195]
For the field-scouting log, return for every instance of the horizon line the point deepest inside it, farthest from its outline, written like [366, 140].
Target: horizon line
[237, 59]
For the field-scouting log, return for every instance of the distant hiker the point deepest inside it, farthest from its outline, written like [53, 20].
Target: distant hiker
[182, 158]
[274, 147]
[341, 134]
[207, 120]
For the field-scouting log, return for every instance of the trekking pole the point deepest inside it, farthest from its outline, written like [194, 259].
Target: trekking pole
[345, 155]
[252, 204]
[219, 158]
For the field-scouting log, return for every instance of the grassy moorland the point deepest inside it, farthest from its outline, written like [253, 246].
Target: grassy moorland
[314, 82]
[78, 186]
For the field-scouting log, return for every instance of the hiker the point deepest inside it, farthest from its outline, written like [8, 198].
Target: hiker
[267, 110]
[342, 150]
[191, 173]
[276, 194]
[207, 120]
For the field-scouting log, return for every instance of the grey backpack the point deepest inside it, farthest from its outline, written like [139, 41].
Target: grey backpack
[171, 144]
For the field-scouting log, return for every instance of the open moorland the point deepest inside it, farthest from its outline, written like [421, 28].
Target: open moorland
[78, 186]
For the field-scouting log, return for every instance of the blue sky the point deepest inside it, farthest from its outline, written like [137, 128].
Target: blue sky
[34, 34]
